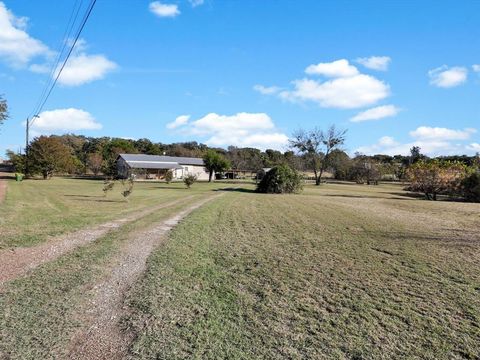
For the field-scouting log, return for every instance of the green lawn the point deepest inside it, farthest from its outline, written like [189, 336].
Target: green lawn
[341, 271]
[36, 209]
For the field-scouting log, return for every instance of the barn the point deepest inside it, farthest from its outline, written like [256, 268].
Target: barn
[155, 167]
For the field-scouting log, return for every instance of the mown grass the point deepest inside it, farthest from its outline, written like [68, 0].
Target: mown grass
[340, 272]
[33, 210]
[40, 313]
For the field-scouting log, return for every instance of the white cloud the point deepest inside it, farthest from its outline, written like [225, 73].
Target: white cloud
[343, 93]
[446, 77]
[179, 121]
[70, 119]
[267, 90]
[376, 113]
[242, 129]
[17, 47]
[164, 10]
[196, 3]
[375, 62]
[82, 68]
[438, 133]
[432, 141]
[476, 68]
[338, 68]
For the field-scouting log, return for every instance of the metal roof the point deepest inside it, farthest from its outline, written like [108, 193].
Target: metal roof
[161, 159]
[153, 165]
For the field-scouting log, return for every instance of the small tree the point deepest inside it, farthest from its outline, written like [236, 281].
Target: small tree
[95, 162]
[17, 160]
[48, 155]
[3, 110]
[189, 180]
[279, 180]
[214, 162]
[316, 145]
[127, 187]
[471, 187]
[169, 176]
[435, 177]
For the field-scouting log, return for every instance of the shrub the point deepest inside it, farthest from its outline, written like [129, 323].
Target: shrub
[471, 187]
[280, 179]
[169, 176]
[189, 180]
[436, 177]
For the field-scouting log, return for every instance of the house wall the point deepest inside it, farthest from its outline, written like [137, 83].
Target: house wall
[122, 168]
[199, 171]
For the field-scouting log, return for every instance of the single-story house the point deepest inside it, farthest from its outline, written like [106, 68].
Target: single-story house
[156, 166]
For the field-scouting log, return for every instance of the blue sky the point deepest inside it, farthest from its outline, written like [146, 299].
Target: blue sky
[250, 72]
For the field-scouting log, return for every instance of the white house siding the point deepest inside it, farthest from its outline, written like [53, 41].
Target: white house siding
[199, 171]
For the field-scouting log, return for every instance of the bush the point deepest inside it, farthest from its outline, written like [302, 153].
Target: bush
[189, 180]
[436, 177]
[169, 176]
[471, 187]
[280, 180]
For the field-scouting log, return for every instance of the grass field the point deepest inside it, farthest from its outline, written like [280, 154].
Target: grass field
[34, 210]
[340, 271]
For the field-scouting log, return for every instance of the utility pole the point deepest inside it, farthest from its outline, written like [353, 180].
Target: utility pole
[27, 128]
[27, 143]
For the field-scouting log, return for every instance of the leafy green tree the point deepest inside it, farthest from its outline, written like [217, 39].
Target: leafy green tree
[279, 180]
[111, 150]
[3, 110]
[214, 162]
[17, 160]
[189, 180]
[169, 176]
[48, 155]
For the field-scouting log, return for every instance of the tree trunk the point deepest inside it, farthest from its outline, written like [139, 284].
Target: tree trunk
[210, 174]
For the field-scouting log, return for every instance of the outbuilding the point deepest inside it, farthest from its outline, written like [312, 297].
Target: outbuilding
[156, 166]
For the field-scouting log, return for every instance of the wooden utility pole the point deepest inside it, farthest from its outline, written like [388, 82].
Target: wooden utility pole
[27, 129]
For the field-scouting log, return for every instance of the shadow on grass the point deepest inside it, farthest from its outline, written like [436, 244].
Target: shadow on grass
[243, 190]
[99, 200]
[84, 196]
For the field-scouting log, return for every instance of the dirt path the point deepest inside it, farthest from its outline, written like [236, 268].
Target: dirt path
[18, 261]
[103, 339]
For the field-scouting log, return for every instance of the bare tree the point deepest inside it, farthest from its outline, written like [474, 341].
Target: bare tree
[316, 146]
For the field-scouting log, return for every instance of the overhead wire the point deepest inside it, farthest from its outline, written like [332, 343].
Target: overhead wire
[72, 47]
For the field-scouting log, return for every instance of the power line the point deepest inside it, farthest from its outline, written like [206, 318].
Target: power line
[63, 44]
[84, 21]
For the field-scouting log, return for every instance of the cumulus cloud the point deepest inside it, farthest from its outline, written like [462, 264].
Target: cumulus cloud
[376, 113]
[476, 68]
[343, 93]
[375, 62]
[83, 68]
[70, 119]
[432, 141]
[474, 147]
[17, 47]
[164, 10]
[438, 133]
[241, 129]
[446, 77]
[345, 88]
[267, 90]
[338, 68]
[179, 121]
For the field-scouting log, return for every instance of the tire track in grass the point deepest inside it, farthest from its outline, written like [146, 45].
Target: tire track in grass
[103, 337]
[18, 261]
